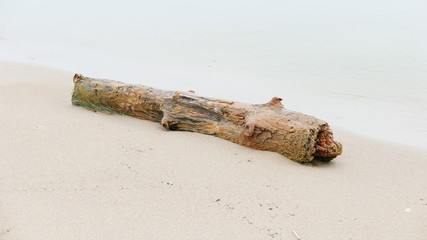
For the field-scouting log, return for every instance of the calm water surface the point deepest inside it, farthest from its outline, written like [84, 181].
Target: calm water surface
[360, 65]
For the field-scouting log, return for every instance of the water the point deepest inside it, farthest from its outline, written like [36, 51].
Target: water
[360, 65]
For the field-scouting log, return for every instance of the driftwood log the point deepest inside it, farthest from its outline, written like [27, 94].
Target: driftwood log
[269, 126]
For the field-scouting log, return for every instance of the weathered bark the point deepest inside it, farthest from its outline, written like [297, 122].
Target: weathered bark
[269, 126]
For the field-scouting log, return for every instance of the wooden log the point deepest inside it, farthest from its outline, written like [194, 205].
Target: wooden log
[269, 126]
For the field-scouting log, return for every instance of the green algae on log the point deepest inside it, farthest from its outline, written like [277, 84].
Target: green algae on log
[269, 126]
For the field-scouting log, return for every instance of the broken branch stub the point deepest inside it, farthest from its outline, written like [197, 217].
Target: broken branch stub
[269, 126]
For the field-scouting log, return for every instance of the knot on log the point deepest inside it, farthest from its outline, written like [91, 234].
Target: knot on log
[177, 95]
[182, 97]
[77, 77]
[167, 122]
[249, 130]
[276, 102]
[253, 129]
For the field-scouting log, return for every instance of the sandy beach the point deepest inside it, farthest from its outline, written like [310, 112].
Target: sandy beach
[69, 173]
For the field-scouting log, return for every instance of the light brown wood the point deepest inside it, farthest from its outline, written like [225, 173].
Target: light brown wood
[269, 126]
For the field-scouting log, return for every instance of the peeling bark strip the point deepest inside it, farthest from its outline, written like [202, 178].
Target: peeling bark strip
[269, 126]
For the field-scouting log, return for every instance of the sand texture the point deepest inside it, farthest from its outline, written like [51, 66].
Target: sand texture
[69, 173]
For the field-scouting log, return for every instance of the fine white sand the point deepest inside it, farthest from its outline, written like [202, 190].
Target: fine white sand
[69, 173]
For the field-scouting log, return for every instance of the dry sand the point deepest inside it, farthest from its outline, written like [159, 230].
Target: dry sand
[69, 173]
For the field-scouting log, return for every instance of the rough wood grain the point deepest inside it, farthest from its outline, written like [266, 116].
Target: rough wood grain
[269, 126]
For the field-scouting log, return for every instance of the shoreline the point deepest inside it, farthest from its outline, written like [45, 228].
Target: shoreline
[132, 81]
[74, 173]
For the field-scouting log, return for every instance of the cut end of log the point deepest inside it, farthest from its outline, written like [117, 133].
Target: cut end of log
[77, 77]
[276, 102]
[326, 148]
